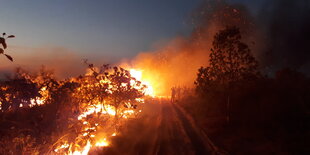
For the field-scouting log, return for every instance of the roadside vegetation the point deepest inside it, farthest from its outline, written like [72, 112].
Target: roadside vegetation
[245, 111]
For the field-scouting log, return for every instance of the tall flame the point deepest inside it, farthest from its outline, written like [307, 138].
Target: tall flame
[138, 74]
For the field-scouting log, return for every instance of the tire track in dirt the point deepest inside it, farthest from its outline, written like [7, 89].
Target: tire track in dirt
[163, 128]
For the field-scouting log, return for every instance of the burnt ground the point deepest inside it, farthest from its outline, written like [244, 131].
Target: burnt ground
[162, 128]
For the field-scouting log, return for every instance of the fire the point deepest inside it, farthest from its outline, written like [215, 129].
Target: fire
[94, 130]
[63, 146]
[139, 76]
[40, 100]
[84, 151]
[98, 109]
[102, 143]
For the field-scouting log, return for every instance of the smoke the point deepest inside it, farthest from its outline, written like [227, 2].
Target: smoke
[176, 63]
[63, 62]
[285, 25]
[277, 36]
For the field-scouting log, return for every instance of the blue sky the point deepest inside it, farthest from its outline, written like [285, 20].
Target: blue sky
[118, 28]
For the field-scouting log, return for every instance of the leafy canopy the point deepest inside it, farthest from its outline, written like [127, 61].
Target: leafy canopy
[230, 61]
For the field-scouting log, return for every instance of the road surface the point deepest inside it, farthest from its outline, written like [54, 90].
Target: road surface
[163, 128]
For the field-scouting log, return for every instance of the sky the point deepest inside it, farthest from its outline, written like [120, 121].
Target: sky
[94, 29]
[116, 27]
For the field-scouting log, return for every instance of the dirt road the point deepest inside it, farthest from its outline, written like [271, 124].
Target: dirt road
[163, 128]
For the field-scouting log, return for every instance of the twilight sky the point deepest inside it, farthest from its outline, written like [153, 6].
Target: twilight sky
[116, 27]
[113, 29]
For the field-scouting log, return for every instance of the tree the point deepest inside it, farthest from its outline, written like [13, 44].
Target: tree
[123, 90]
[16, 92]
[103, 92]
[109, 86]
[3, 42]
[230, 61]
[27, 90]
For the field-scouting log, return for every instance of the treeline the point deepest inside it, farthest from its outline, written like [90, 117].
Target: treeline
[244, 111]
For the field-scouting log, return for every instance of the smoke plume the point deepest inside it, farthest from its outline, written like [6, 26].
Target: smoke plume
[63, 62]
[286, 24]
[176, 64]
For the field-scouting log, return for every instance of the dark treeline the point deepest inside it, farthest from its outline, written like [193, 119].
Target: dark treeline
[244, 111]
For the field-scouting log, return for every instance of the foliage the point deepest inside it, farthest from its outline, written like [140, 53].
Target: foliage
[112, 86]
[13, 94]
[3, 43]
[267, 113]
[59, 110]
[21, 144]
[26, 90]
[270, 114]
[101, 93]
[230, 61]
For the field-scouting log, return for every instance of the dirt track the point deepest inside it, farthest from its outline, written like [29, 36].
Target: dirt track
[163, 128]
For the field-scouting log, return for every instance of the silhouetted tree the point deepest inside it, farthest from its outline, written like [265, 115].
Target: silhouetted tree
[230, 61]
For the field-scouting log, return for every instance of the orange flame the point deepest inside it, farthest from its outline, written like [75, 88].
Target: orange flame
[139, 76]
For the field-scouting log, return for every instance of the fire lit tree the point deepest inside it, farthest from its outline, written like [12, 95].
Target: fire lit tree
[101, 93]
[27, 90]
[110, 87]
[230, 61]
[13, 94]
[124, 91]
